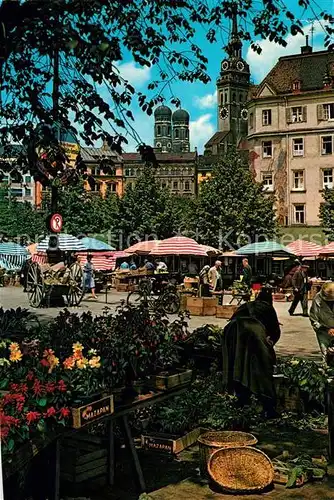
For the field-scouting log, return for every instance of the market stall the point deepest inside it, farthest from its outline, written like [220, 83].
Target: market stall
[12, 259]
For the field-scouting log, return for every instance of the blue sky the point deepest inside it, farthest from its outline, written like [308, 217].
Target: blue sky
[200, 99]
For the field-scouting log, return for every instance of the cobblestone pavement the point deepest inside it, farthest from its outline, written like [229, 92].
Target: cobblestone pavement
[297, 336]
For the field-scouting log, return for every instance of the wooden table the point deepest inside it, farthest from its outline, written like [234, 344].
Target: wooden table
[28, 451]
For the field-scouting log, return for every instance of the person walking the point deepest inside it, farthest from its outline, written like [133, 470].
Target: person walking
[322, 320]
[215, 277]
[247, 273]
[89, 276]
[300, 290]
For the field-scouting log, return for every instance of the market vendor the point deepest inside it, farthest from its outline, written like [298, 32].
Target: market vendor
[124, 266]
[215, 277]
[322, 319]
[148, 265]
[248, 352]
[160, 266]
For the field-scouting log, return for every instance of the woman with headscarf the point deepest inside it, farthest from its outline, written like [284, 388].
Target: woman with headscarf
[248, 351]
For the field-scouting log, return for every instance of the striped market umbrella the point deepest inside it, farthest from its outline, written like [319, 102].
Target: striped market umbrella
[67, 242]
[143, 247]
[271, 248]
[102, 261]
[328, 249]
[304, 248]
[179, 245]
[94, 245]
[11, 248]
[211, 250]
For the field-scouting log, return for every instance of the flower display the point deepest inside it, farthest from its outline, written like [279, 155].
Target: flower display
[15, 352]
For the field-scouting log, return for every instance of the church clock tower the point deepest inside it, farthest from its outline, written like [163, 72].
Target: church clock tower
[232, 90]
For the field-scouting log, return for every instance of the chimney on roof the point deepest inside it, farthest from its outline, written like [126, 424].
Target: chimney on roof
[306, 49]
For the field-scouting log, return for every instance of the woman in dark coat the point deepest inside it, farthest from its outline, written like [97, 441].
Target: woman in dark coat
[248, 351]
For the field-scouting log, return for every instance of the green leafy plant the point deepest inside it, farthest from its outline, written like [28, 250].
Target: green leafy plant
[16, 324]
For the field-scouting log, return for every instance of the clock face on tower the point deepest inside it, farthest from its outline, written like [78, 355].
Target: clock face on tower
[244, 114]
[224, 113]
[240, 66]
[225, 65]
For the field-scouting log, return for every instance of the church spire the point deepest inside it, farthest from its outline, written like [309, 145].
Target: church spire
[234, 47]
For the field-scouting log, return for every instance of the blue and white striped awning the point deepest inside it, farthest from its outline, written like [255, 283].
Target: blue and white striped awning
[10, 248]
[67, 242]
[12, 262]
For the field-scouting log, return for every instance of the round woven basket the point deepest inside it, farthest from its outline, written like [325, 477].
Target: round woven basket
[241, 469]
[211, 441]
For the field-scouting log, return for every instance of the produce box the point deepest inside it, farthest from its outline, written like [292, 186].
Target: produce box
[202, 306]
[83, 457]
[226, 311]
[168, 380]
[122, 287]
[169, 443]
[92, 411]
[209, 306]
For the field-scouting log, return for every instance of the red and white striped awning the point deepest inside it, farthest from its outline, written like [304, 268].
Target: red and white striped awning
[328, 249]
[304, 248]
[40, 258]
[179, 245]
[102, 261]
[143, 247]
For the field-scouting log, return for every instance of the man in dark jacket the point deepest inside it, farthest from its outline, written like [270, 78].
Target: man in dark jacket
[247, 273]
[300, 290]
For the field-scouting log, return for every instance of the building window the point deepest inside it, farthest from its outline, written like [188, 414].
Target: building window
[267, 149]
[297, 114]
[17, 192]
[267, 180]
[251, 120]
[266, 117]
[234, 99]
[113, 188]
[327, 178]
[328, 111]
[298, 180]
[298, 147]
[296, 85]
[177, 133]
[27, 192]
[127, 172]
[158, 130]
[327, 145]
[175, 185]
[299, 214]
[169, 131]
[226, 97]
[187, 186]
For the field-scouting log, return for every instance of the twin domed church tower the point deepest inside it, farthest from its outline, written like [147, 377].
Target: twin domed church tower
[171, 130]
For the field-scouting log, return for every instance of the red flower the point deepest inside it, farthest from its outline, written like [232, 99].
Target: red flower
[14, 387]
[64, 412]
[45, 363]
[8, 420]
[37, 388]
[50, 387]
[4, 431]
[50, 412]
[32, 416]
[19, 406]
[30, 375]
[62, 386]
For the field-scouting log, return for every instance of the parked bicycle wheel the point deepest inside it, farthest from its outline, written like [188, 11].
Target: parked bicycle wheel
[170, 303]
[134, 298]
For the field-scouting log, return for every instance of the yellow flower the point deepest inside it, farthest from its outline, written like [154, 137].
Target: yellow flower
[53, 362]
[95, 362]
[14, 346]
[77, 347]
[82, 363]
[15, 356]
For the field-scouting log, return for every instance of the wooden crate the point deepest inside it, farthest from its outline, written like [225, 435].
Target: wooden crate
[169, 443]
[165, 381]
[209, 306]
[92, 411]
[83, 457]
[226, 311]
[122, 287]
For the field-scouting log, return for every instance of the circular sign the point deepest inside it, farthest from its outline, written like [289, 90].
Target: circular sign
[56, 223]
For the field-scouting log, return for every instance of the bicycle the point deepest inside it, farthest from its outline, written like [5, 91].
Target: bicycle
[169, 300]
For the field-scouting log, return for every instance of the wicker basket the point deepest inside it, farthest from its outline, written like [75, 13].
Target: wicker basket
[214, 440]
[241, 469]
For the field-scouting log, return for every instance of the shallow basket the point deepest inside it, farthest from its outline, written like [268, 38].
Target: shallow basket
[241, 469]
[213, 440]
